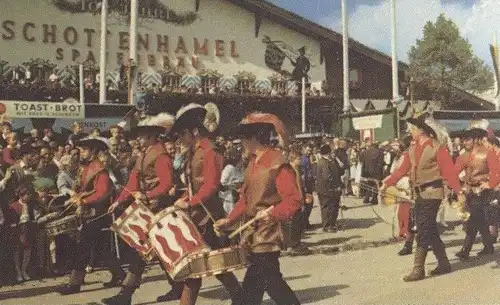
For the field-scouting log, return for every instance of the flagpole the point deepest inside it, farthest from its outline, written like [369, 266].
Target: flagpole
[497, 62]
[345, 49]
[103, 59]
[134, 7]
[395, 82]
[303, 104]
[82, 83]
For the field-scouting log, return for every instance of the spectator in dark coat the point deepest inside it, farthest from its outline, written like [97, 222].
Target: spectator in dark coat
[372, 168]
[329, 188]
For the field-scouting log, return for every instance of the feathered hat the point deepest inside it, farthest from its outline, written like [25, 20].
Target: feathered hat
[264, 124]
[98, 143]
[482, 124]
[157, 124]
[190, 116]
[423, 122]
[474, 133]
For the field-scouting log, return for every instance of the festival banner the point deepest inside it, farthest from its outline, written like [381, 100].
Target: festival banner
[39, 110]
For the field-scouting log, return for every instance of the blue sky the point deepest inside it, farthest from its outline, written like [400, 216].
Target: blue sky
[369, 20]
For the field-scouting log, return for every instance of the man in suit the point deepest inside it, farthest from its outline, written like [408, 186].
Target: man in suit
[372, 168]
[329, 188]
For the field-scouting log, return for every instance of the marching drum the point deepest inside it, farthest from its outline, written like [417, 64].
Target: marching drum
[65, 225]
[174, 237]
[132, 226]
[216, 262]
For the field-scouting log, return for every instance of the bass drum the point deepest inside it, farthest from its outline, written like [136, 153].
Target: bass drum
[218, 261]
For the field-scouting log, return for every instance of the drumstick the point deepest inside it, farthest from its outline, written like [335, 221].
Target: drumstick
[63, 212]
[99, 217]
[246, 225]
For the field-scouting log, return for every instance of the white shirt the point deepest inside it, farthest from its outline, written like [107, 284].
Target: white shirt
[24, 217]
[53, 77]
[231, 177]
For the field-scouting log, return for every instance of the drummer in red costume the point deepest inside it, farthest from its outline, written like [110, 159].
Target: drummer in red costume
[271, 194]
[92, 200]
[149, 183]
[203, 169]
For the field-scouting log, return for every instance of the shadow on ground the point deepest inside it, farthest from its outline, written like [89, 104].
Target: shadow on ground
[359, 223]
[220, 293]
[316, 294]
[330, 241]
[35, 291]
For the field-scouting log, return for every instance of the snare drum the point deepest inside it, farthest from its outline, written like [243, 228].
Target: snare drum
[174, 237]
[66, 225]
[218, 261]
[132, 226]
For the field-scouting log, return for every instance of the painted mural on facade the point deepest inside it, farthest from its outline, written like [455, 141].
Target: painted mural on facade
[218, 39]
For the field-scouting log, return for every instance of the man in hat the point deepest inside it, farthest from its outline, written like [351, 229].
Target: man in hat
[202, 170]
[92, 199]
[482, 173]
[302, 65]
[149, 182]
[271, 194]
[329, 188]
[428, 164]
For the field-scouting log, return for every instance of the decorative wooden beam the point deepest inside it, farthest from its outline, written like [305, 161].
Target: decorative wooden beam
[258, 21]
[197, 4]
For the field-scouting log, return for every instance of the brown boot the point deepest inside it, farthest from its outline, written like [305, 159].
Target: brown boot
[418, 272]
[76, 280]
[443, 266]
[190, 291]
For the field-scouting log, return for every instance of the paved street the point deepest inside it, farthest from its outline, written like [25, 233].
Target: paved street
[356, 266]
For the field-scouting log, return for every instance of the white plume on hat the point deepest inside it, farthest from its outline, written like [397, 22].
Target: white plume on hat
[481, 124]
[187, 108]
[164, 120]
[443, 137]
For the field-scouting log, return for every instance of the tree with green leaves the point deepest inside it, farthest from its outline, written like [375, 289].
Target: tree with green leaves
[443, 61]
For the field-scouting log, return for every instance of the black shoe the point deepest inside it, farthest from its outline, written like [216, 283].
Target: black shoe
[405, 251]
[119, 299]
[441, 270]
[486, 251]
[462, 255]
[116, 280]
[69, 289]
[172, 295]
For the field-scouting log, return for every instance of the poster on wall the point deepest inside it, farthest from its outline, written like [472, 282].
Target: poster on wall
[366, 134]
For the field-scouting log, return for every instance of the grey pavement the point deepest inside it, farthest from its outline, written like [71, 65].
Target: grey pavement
[357, 265]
